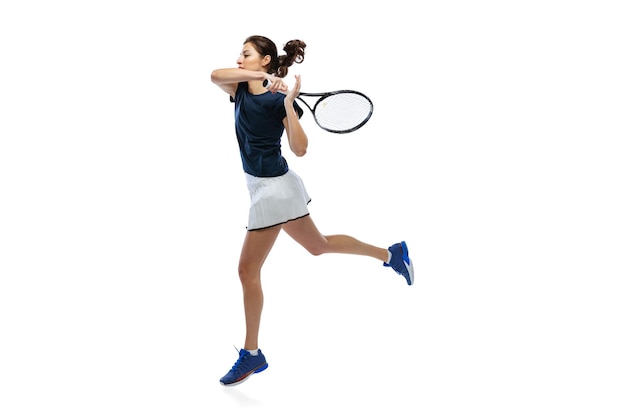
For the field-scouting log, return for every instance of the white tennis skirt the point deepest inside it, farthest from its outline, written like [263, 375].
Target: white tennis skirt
[276, 200]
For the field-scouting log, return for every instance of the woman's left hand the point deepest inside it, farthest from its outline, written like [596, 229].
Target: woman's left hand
[295, 91]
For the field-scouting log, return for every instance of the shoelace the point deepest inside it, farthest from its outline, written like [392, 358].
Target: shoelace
[238, 362]
[398, 266]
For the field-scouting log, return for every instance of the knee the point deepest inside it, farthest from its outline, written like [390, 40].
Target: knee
[317, 250]
[247, 274]
[318, 247]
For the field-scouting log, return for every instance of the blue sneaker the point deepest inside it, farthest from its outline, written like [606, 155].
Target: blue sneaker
[400, 261]
[245, 366]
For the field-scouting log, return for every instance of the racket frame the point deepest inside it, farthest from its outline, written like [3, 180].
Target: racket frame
[322, 96]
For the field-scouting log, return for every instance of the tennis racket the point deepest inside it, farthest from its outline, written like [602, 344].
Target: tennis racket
[340, 111]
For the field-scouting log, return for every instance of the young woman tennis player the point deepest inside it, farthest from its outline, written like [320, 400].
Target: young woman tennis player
[279, 200]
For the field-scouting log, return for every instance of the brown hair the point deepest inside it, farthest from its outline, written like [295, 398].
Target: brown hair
[294, 53]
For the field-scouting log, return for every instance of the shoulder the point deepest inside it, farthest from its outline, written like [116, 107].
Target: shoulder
[240, 91]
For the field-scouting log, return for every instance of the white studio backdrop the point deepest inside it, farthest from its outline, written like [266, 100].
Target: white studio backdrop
[495, 150]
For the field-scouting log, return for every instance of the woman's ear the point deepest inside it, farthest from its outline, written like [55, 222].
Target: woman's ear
[266, 60]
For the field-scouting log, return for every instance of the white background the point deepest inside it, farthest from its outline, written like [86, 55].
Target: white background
[495, 151]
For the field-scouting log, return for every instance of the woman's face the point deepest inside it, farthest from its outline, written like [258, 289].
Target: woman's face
[250, 59]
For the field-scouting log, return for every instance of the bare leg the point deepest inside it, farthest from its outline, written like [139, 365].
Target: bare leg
[305, 232]
[256, 248]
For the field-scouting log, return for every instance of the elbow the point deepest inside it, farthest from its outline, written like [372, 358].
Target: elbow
[298, 143]
[217, 76]
[214, 76]
[299, 151]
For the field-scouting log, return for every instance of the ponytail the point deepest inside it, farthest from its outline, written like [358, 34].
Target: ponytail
[294, 53]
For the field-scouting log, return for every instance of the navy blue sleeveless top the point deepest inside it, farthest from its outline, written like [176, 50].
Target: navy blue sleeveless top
[259, 128]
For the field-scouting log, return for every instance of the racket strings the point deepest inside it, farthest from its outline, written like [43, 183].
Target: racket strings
[343, 112]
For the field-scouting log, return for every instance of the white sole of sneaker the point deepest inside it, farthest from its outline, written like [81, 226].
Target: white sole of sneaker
[238, 382]
[409, 267]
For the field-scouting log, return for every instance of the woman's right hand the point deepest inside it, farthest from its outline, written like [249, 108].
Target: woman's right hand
[276, 84]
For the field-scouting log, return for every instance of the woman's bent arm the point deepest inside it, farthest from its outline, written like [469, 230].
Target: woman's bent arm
[228, 78]
[298, 141]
